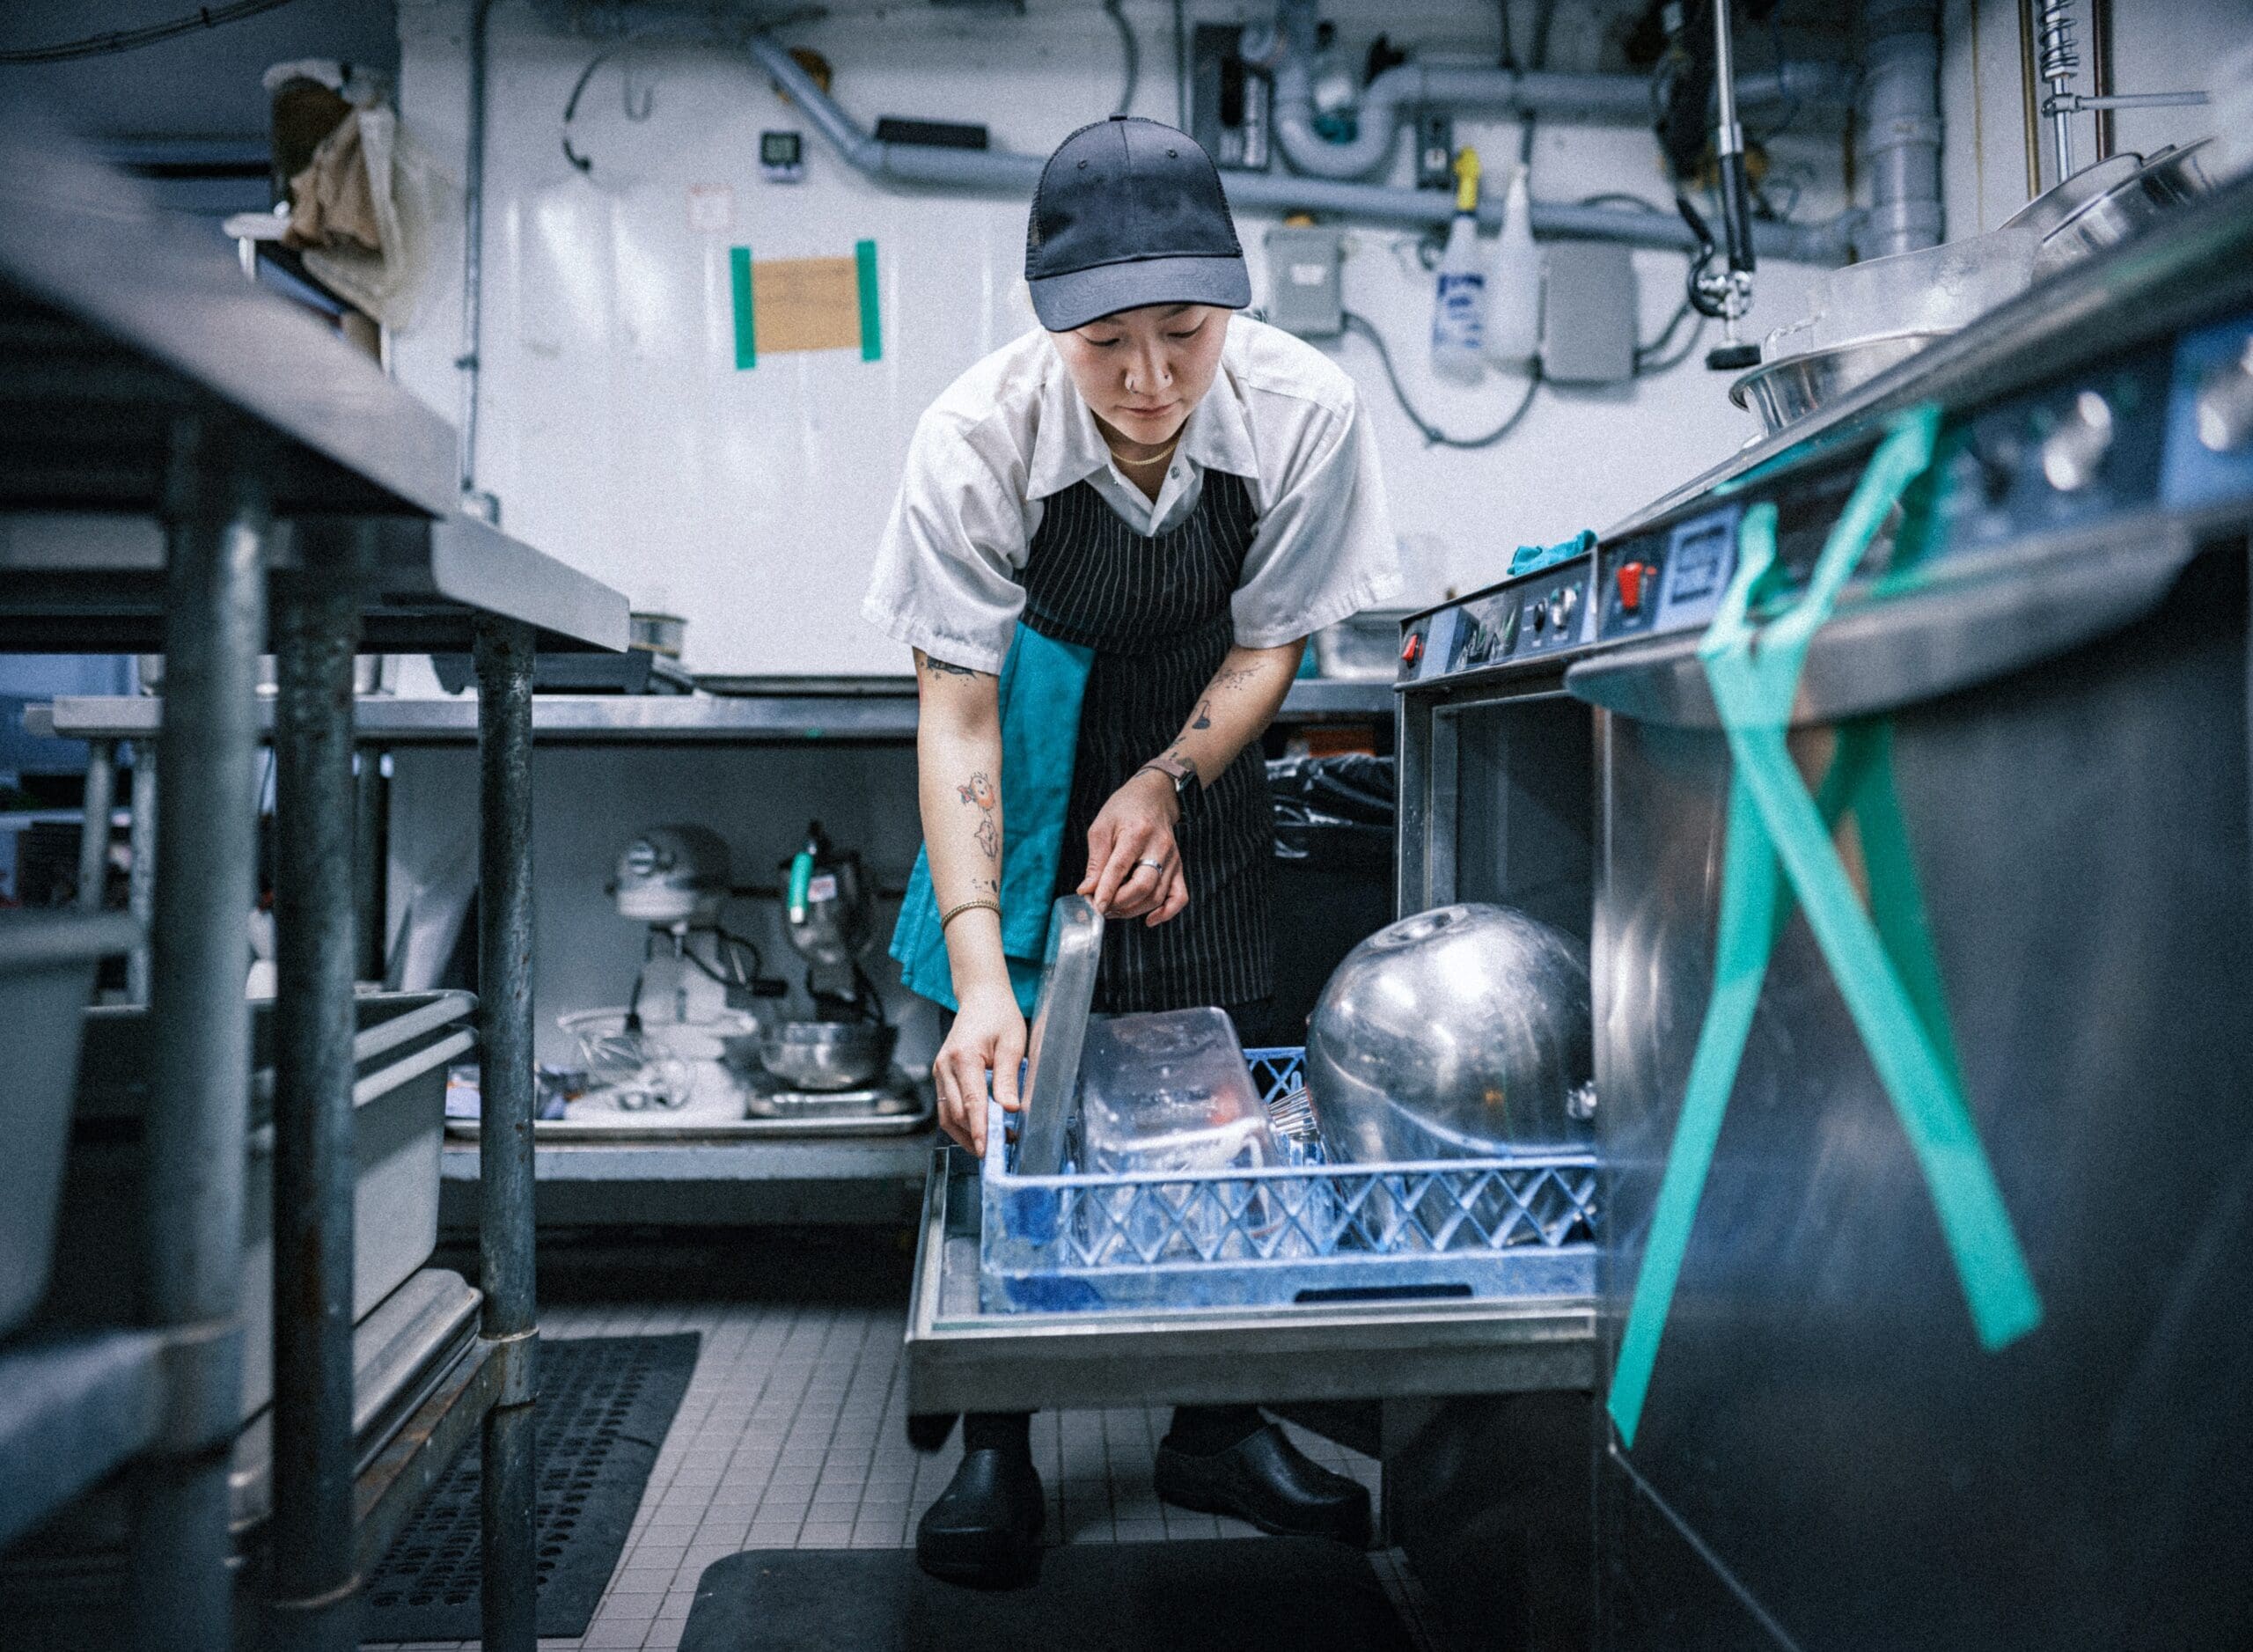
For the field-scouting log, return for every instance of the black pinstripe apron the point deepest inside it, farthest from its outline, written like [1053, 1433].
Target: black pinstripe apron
[1155, 611]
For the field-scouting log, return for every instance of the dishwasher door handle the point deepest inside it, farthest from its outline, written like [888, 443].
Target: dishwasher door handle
[1888, 651]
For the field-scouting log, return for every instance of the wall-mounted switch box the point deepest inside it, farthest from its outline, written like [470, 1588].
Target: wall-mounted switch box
[1435, 150]
[1302, 288]
[1588, 312]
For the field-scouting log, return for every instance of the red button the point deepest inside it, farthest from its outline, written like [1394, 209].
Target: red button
[1631, 577]
[1412, 649]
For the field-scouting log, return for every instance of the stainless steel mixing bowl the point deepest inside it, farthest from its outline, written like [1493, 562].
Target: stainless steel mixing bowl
[1459, 1033]
[1787, 389]
[828, 1054]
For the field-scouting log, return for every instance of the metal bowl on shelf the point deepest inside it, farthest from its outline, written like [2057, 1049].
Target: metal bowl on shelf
[1792, 386]
[1459, 1033]
[2150, 188]
[818, 1055]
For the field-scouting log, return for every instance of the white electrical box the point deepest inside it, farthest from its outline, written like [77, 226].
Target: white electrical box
[1303, 292]
[1588, 312]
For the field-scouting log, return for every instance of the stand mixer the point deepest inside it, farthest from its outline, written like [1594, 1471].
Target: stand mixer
[843, 1056]
[696, 994]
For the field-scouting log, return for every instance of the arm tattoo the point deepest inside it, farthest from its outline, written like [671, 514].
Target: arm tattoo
[946, 668]
[1234, 675]
[989, 837]
[1203, 716]
[980, 791]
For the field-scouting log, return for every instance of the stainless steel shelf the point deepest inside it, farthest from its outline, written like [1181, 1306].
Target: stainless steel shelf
[645, 719]
[133, 354]
[834, 1179]
[225, 459]
[77, 1407]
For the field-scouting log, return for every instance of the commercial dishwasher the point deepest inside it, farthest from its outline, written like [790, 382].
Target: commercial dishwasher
[1866, 1420]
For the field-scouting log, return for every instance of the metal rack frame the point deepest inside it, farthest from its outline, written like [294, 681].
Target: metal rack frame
[710, 1179]
[305, 496]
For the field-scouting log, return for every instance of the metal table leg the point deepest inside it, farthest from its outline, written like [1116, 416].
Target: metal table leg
[141, 883]
[504, 658]
[215, 619]
[93, 835]
[314, 1601]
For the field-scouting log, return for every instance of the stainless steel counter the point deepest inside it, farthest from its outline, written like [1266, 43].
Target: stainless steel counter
[133, 356]
[652, 719]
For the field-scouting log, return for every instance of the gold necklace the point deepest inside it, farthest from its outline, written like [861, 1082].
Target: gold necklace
[1144, 464]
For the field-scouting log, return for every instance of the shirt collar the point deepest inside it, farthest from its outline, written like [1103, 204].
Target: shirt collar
[1068, 448]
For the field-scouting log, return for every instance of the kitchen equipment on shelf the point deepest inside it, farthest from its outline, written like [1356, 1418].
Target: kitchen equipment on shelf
[1864, 318]
[694, 968]
[638, 1065]
[1789, 387]
[840, 1058]
[1169, 1091]
[2104, 204]
[826, 908]
[827, 1055]
[661, 634]
[1461, 1032]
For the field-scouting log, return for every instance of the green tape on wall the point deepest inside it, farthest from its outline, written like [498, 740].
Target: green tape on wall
[746, 331]
[864, 253]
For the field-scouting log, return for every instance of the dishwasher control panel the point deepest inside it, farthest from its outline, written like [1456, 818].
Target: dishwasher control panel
[1668, 579]
[1541, 614]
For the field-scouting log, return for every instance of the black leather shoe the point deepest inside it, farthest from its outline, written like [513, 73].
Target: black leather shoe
[984, 1530]
[1268, 1481]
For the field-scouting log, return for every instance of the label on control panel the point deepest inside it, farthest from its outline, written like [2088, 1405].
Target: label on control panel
[1700, 556]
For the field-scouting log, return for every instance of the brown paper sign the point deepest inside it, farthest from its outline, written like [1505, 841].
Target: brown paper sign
[806, 304]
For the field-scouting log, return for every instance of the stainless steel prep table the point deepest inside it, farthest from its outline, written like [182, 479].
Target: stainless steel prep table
[140, 379]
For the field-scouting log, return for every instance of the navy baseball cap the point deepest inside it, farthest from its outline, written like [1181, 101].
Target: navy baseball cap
[1129, 212]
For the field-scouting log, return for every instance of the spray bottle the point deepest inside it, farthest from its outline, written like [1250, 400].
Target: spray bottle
[1459, 307]
[1513, 293]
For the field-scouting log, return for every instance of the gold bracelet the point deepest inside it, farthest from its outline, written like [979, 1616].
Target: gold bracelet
[956, 911]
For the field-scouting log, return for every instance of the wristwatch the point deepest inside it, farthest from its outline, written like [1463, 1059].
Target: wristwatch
[1180, 771]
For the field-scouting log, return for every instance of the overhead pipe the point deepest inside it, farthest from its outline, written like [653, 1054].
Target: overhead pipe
[1900, 126]
[1287, 48]
[1000, 172]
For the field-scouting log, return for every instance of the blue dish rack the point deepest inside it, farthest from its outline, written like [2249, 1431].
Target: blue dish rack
[1305, 1230]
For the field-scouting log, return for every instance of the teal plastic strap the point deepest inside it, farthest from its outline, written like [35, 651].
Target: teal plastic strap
[1883, 960]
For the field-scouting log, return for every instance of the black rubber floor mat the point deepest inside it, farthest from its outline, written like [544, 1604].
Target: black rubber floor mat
[604, 1404]
[1233, 1595]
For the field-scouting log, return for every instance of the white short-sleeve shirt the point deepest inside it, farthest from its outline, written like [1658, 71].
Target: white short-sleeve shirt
[1013, 431]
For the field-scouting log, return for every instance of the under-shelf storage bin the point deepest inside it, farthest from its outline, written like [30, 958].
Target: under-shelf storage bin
[47, 961]
[1520, 1226]
[400, 1051]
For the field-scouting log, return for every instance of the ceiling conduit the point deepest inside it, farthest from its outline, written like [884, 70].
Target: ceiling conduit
[1000, 172]
[1288, 48]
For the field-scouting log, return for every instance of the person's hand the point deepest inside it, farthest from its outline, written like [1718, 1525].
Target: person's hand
[987, 1035]
[1133, 864]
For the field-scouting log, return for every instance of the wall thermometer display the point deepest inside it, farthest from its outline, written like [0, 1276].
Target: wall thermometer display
[781, 156]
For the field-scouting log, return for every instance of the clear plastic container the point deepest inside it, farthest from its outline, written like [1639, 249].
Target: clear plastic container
[1168, 1092]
